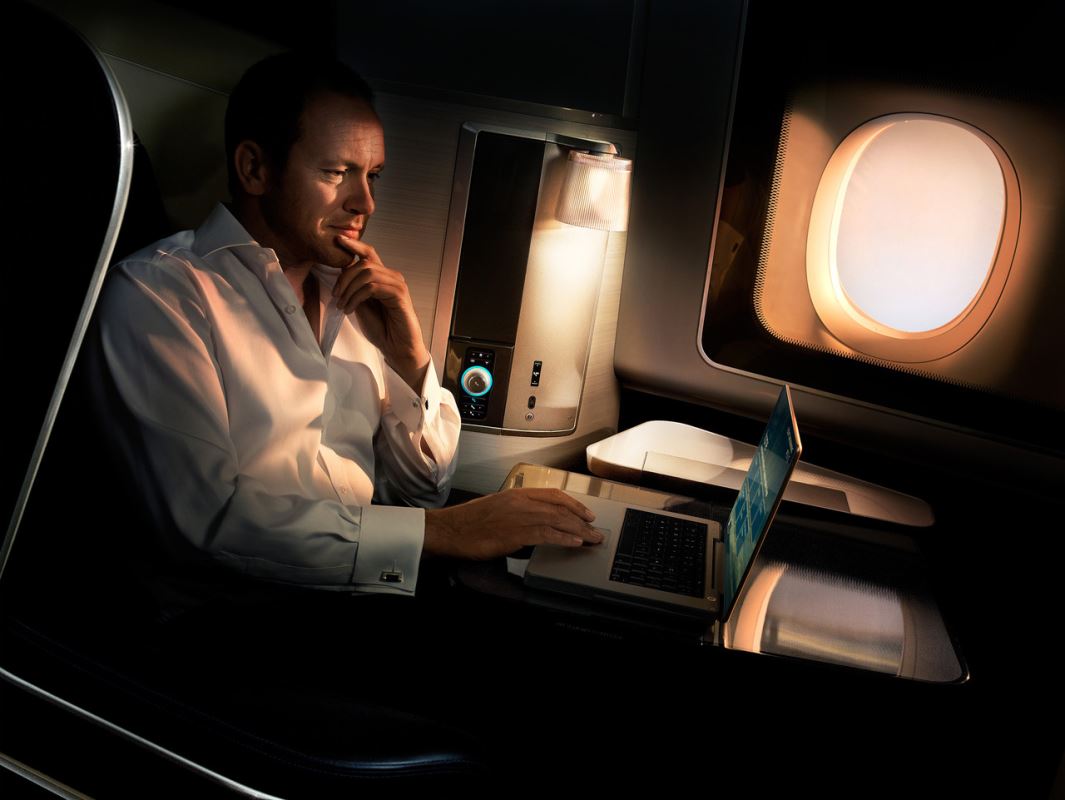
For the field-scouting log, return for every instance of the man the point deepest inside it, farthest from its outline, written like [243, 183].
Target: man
[271, 373]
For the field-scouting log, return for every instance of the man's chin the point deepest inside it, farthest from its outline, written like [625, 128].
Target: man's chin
[337, 257]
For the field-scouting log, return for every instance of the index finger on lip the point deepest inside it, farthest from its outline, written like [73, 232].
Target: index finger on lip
[351, 243]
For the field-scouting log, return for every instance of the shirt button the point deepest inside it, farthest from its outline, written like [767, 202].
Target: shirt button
[413, 403]
[290, 309]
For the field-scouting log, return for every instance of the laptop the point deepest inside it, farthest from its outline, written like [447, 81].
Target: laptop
[676, 563]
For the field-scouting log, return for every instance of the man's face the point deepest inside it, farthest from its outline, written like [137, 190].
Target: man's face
[326, 187]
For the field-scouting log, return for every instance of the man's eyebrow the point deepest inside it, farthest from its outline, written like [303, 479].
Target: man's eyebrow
[353, 165]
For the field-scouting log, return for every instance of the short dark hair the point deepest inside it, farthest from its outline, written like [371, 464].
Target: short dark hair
[269, 99]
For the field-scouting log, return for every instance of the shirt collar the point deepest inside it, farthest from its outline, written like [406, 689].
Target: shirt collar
[223, 231]
[220, 231]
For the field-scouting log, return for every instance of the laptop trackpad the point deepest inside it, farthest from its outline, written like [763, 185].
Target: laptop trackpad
[608, 537]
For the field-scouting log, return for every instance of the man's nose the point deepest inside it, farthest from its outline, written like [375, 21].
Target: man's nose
[359, 199]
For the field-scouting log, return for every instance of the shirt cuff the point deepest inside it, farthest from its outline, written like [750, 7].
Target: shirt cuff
[413, 408]
[390, 549]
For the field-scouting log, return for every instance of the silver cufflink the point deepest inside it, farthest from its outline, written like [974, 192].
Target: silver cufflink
[393, 575]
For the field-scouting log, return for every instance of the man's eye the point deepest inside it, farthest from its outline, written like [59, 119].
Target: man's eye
[373, 176]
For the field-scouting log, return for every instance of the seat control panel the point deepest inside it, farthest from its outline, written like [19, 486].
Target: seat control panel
[476, 383]
[477, 374]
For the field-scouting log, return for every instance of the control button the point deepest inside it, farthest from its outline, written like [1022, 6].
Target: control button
[480, 358]
[532, 401]
[473, 410]
[476, 381]
[529, 417]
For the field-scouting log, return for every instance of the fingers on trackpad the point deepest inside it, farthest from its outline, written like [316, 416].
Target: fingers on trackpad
[604, 532]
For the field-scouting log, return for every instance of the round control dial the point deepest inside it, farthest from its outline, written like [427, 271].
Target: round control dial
[476, 381]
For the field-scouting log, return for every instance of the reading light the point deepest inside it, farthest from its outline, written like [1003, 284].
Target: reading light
[595, 191]
[519, 286]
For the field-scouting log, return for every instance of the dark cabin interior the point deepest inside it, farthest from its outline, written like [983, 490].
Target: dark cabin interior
[679, 328]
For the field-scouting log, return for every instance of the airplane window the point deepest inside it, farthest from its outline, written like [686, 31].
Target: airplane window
[906, 225]
[888, 227]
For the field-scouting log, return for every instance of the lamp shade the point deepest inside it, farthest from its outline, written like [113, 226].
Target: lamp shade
[595, 191]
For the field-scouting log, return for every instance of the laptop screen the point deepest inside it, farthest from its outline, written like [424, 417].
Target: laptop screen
[759, 497]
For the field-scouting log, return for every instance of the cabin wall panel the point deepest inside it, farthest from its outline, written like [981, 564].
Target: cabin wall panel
[691, 59]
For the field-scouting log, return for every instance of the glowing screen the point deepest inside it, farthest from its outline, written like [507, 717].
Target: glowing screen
[776, 456]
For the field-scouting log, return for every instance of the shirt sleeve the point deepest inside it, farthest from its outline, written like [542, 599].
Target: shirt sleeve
[153, 344]
[411, 424]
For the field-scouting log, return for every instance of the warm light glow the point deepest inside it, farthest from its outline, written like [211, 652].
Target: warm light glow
[897, 232]
[595, 191]
[910, 215]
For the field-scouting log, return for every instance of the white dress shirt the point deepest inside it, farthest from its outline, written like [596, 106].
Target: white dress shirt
[253, 443]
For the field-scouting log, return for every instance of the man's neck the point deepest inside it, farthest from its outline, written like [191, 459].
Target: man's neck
[250, 217]
[298, 278]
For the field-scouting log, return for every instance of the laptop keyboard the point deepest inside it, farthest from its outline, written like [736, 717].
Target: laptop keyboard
[661, 552]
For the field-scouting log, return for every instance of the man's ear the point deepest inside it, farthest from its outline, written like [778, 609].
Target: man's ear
[253, 172]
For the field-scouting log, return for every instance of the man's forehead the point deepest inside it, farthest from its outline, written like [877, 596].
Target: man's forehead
[335, 122]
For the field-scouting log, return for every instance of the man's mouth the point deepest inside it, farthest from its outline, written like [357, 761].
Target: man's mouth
[351, 233]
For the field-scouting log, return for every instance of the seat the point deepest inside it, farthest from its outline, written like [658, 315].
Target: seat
[70, 613]
[68, 179]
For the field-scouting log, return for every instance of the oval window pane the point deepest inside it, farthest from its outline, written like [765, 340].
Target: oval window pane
[919, 218]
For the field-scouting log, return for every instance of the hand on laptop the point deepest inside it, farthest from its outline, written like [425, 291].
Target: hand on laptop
[503, 523]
